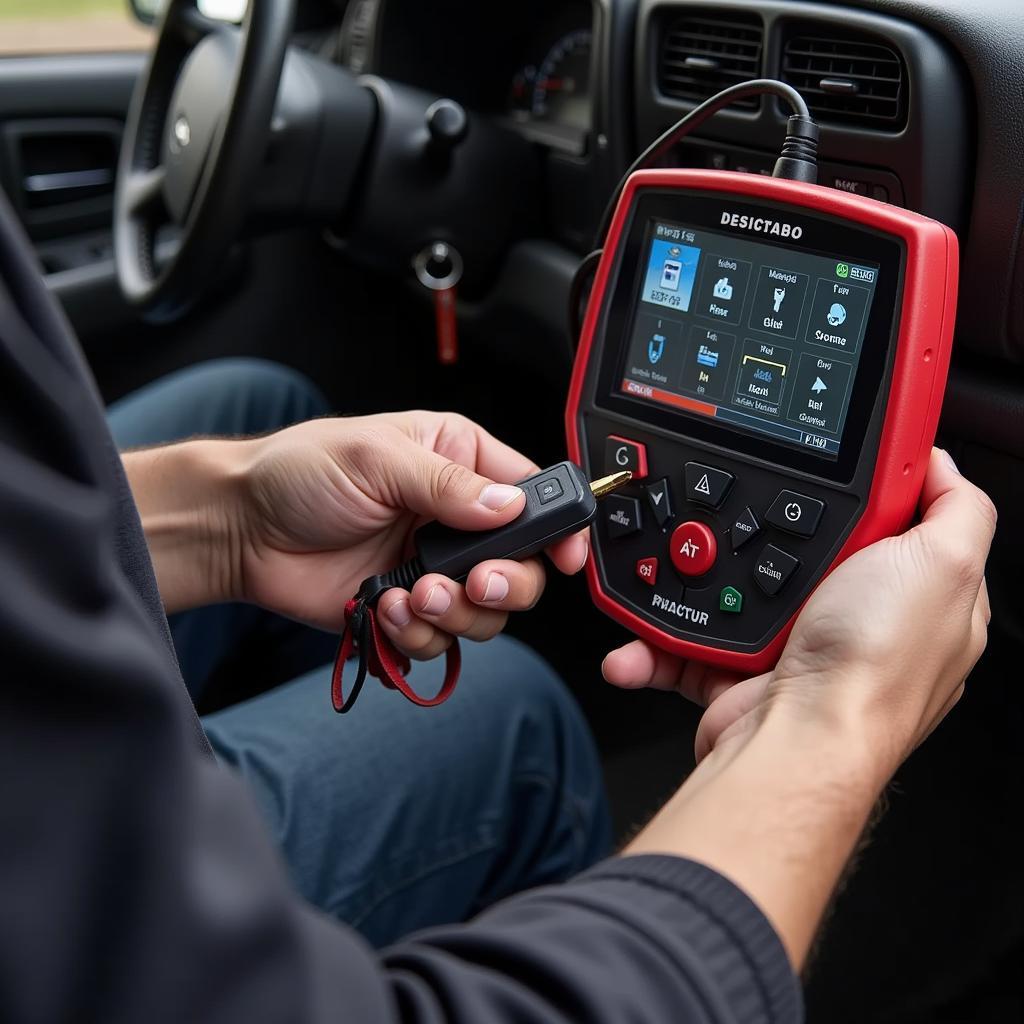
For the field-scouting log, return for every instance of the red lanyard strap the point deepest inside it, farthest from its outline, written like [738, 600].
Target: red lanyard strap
[363, 637]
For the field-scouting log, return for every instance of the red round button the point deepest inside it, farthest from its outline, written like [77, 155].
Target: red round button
[693, 548]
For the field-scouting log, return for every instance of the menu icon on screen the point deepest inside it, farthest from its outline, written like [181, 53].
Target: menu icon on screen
[723, 288]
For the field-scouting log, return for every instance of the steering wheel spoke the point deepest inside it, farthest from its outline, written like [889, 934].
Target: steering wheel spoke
[190, 25]
[144, 191]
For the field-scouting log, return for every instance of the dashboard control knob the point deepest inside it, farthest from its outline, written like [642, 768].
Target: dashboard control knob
[447, 123]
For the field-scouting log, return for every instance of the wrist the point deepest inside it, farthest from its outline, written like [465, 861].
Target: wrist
[835, 711]
[778, 809]
[191, 501]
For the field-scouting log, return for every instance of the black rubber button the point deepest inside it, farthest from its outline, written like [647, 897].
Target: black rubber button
[795, 513]
[774, 567]
[622, 515]
[549, 489]
[659, 497]
[706, 484]
[744, 528]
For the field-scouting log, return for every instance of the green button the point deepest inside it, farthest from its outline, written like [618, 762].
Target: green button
[730, 600]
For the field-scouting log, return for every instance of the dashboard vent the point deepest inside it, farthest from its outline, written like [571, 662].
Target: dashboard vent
[706, 51]
[847, 78]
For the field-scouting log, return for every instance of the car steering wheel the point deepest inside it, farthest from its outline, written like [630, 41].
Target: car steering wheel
[195, 138]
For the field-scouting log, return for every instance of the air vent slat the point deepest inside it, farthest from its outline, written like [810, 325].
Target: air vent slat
[865, 80]
[703, 52]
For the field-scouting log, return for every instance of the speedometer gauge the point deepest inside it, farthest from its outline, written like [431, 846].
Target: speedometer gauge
[561, 89]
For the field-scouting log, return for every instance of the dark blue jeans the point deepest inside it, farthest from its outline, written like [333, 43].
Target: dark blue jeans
[394, 817]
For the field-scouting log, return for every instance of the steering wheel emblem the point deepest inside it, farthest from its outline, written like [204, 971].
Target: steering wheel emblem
[182, 132]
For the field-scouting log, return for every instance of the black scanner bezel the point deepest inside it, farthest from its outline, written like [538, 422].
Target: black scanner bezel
[821, 235]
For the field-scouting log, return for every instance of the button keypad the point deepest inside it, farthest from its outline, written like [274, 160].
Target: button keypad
[721, 562]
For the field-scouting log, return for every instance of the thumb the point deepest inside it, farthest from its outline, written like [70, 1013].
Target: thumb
[727, 711]
[435, 487]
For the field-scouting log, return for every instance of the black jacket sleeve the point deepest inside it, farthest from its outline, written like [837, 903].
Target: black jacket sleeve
[136, 880]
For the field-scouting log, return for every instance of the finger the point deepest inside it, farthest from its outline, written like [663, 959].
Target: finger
[436, 487]
[412, 635]
[959, 513]
[445, 605]
[730, 706]
[638, 664]
[460, 439]
[499, 461]
[571, 554]
[506, 585]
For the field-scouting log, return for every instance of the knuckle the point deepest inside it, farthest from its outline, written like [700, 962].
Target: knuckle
[986, 509]
[488, 626]
[452, 481]
[363, 446]
[958, 561]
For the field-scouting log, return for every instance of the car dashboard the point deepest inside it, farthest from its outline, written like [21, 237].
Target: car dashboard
[894, 84]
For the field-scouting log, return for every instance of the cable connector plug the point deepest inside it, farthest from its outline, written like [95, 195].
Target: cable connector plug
[798, 160]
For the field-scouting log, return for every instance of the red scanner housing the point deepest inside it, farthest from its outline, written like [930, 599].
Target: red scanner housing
[868, 481]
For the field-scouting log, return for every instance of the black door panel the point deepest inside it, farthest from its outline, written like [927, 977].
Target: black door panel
[61, 119]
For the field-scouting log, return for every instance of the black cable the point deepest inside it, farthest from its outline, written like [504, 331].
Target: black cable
[696, 117]
[578, 293]
[797, 161]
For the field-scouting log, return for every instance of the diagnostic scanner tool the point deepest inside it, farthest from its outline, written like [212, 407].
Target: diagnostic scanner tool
[768, 359]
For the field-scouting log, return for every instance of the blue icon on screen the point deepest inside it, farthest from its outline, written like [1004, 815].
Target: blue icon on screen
[671, 272]
[766, 375]
[655, 348]
[707, 356]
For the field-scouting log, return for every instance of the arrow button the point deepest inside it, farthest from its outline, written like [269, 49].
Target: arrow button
[659, 497]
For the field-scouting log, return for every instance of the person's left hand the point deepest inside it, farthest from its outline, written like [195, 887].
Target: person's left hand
[330, 502]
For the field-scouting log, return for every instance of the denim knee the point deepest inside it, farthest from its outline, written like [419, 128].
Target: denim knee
[268, 395]
[556, 781]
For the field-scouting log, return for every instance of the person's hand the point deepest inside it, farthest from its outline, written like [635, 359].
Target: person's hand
[881, 650]
[325, 504]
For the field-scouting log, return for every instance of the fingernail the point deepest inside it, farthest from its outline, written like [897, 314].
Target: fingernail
[498, 496]
[496, 588]
[950, 462]
[438, 600]
[400, 614]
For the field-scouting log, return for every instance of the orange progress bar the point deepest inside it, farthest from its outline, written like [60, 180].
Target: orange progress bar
[632, 387]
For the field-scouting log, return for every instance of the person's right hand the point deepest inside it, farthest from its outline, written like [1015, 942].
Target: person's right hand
[881, 650]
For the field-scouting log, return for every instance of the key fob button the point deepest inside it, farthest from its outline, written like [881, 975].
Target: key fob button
[549, 489]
